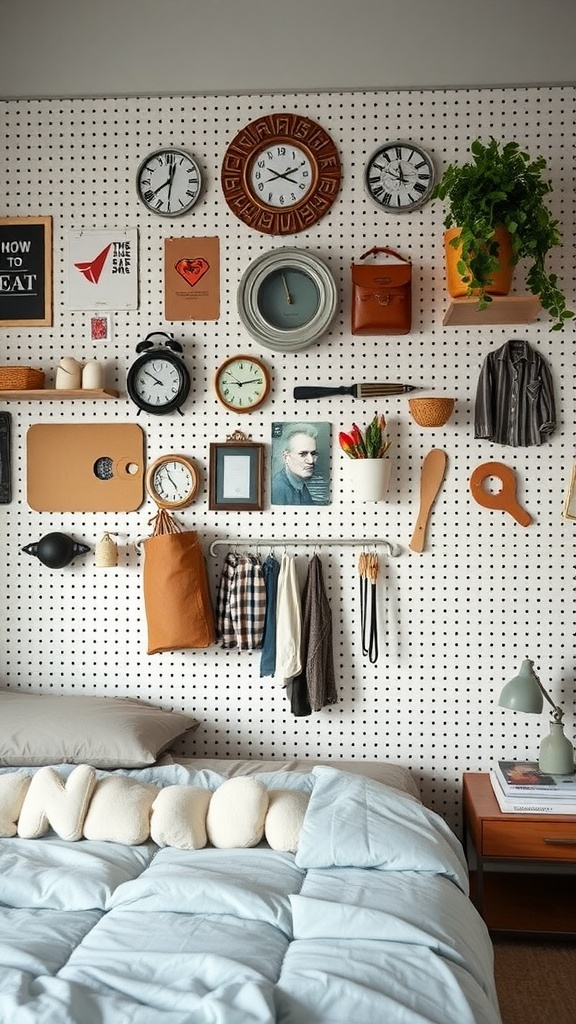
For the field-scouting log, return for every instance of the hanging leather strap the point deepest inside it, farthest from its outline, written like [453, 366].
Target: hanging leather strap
[389, 252]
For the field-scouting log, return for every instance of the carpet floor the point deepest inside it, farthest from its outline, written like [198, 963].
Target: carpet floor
[536, 981]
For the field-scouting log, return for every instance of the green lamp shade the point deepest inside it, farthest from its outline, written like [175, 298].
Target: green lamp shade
[523, 692]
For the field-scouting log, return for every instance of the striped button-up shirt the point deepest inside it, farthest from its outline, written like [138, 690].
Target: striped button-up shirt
[515, 397]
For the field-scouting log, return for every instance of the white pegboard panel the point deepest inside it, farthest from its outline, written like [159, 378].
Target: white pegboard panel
[455, 621]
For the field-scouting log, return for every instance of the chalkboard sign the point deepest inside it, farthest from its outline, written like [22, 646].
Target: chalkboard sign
[25, 271]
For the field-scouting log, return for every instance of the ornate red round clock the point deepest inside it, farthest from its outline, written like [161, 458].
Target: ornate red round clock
[281, 173]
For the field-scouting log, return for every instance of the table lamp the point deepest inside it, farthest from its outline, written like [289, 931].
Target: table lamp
[525, 693]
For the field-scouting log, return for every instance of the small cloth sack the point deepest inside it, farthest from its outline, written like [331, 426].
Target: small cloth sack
[382, 295]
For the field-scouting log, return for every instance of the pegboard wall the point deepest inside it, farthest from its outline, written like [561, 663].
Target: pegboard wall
[456, 620]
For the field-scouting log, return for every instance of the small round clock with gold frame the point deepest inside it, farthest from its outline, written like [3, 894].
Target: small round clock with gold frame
[172, 481]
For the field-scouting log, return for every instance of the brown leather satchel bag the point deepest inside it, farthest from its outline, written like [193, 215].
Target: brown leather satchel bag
[382, 295]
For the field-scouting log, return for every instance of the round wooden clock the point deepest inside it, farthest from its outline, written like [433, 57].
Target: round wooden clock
[281, 173]
[399, 177]
[287, 299]
[242, 383]
[172, 481]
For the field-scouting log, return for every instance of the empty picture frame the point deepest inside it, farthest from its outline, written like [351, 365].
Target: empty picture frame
[236, 475]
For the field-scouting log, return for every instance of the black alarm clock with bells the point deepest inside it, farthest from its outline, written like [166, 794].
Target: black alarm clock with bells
[158, 381]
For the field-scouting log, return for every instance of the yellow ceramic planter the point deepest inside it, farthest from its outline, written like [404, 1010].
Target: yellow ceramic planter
[501, 281]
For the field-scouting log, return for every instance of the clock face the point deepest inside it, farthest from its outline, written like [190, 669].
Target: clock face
[399, 177]
[281, 173]
[242, 383]
[172, 481]
[169, 182]
[158, 382]
[287, 299]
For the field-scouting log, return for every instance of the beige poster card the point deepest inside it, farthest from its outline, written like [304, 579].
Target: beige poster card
[191, 278]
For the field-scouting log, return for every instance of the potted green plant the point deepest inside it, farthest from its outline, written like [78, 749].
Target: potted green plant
[501, 188]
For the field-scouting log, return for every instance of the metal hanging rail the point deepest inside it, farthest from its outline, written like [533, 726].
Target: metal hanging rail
[366, 542]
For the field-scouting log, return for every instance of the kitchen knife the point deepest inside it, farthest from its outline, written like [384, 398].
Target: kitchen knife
[357, 390]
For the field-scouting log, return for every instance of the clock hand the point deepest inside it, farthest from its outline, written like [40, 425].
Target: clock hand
[278, 174]
[171, 179]
[288, 296]
[155, 379]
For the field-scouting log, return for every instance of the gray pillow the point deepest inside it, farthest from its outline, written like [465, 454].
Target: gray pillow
[105, 732]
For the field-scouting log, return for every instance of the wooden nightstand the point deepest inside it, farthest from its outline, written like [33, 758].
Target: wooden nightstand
[510, 896]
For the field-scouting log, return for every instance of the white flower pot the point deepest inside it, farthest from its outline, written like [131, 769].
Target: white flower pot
[367, 479]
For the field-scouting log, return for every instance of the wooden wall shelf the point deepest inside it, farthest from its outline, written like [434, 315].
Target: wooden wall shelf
[504, 309]
[53, 394]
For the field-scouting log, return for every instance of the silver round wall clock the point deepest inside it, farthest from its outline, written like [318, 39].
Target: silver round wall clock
[287, 299]
[399, 177]
[169, 182]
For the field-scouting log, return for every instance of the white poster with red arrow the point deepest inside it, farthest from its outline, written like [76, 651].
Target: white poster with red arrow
[103, 269]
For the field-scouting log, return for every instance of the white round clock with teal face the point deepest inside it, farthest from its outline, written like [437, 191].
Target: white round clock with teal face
[287, 299]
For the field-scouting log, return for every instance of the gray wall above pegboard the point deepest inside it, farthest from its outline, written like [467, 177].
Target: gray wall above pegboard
[136, 47]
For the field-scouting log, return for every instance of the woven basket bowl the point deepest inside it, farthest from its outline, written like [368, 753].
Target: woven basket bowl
[431, 412]
[20, 378]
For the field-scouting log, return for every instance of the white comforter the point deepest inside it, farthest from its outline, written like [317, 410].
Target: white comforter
[368, 924]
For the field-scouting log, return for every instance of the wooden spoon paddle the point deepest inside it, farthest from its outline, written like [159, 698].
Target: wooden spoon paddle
[431, 477]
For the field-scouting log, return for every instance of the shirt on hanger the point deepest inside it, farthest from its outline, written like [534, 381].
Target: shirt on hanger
[515, 397]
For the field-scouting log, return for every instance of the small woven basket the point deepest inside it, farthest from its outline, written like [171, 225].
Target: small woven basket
[431, 412]
[20, 378]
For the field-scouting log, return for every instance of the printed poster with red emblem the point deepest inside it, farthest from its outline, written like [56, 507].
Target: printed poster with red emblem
[191, 278]
[103, 269]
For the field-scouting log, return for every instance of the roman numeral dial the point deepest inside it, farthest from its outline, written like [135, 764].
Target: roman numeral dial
[168, 182]
[399, 177]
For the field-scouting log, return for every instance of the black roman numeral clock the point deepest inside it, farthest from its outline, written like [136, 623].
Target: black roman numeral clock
[399, 177]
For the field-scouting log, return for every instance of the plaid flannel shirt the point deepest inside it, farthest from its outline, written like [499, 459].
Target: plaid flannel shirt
[241, 603]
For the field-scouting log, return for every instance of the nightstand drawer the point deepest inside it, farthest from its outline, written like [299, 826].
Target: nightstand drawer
[542, 840]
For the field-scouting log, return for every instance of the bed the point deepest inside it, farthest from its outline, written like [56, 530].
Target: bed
[225, 892]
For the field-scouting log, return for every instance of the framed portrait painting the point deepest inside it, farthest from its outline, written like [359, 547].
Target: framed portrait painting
[300, 463]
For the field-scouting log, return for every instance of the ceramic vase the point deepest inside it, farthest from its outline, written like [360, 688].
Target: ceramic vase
[92, 375]
[367, 479]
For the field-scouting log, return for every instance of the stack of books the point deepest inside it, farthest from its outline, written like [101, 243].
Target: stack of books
[521, 788]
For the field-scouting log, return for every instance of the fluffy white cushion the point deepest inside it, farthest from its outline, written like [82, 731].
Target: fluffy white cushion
[236, 813]
[13, 789]
[120, 811]
[53, 801]
[179, 817]
[105, 732]
[286, 810]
